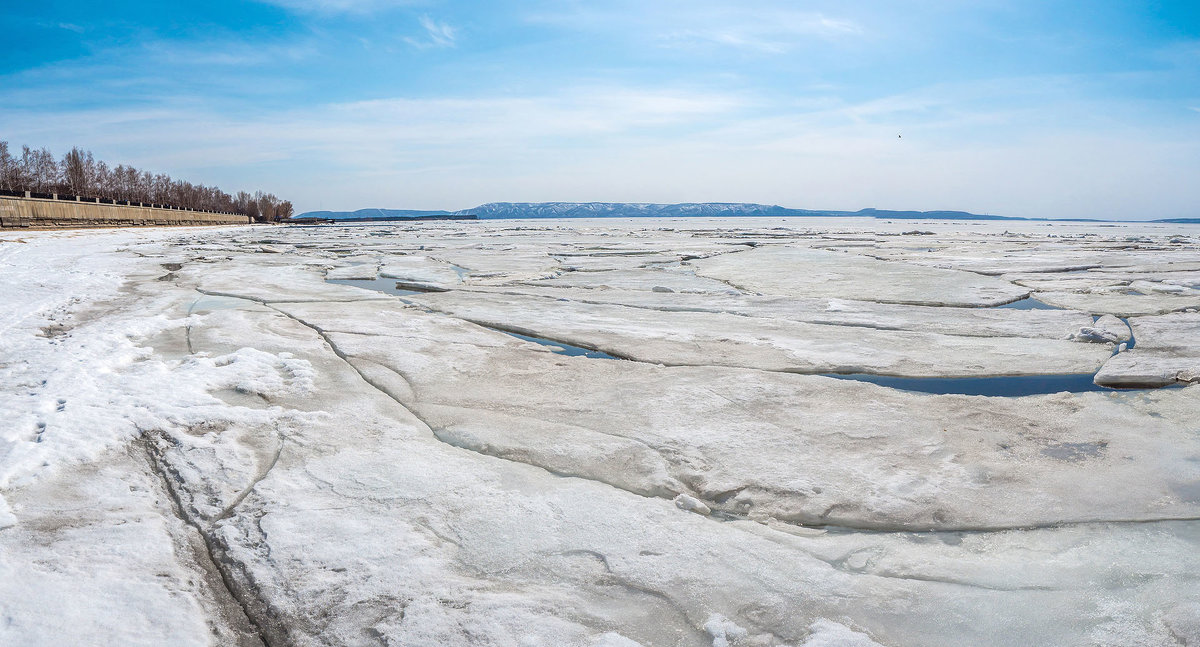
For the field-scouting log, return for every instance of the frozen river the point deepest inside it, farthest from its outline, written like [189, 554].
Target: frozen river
[603, 433]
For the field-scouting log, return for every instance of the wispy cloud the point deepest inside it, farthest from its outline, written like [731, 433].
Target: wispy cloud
[646, 144]
[437, 34]
[500, 122]
[66, 26]
[774, 32]
[364, 139]
[228, 52]
[764, 27]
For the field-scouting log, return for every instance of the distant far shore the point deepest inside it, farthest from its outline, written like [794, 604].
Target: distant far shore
[528, 210]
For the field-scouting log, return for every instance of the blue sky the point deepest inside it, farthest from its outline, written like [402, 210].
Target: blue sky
[1045, 109]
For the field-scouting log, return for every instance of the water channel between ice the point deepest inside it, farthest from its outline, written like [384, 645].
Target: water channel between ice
[997, 386]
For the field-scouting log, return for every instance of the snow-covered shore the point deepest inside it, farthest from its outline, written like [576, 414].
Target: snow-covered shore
[205, 442]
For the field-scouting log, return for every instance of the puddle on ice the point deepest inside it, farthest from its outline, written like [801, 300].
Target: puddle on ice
[1029, 303]
[561, 348]
[1003, 386]
[381, 284]
[1008, 386]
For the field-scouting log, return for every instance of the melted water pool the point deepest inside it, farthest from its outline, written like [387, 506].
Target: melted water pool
[561, 348]
[380, 284]
[1029, 303]
[1001, 386]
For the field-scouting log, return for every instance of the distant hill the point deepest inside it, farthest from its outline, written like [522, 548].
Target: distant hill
[497, 210]
[370, 214]
[929, 215]
[633, 210]
[1180, 221]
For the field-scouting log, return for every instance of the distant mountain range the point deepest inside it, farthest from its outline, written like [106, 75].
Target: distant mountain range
[634, 210]
[497, 210]
[371, 214]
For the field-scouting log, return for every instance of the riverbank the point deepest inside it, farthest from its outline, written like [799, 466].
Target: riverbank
[52, 213]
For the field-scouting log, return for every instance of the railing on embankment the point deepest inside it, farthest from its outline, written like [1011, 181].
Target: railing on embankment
[54, 211]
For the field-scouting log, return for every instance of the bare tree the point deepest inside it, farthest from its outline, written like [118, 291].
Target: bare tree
[160, 189]
[104, 185]
[75, 171]
[251, 209]
[79, 173]
[10, 173]
[29, 169]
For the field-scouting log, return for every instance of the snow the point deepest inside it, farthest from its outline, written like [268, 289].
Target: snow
[1096, 334]
[826, 633]
[206, 444]
[691, 504]
[7, 518]
[724, 632]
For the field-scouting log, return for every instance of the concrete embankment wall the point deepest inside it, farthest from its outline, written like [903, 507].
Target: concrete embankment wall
[40, 213]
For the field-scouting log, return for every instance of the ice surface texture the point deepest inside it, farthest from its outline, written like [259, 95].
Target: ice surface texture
[208, 443]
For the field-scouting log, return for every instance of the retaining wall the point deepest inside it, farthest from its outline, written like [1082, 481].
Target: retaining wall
[50, 213]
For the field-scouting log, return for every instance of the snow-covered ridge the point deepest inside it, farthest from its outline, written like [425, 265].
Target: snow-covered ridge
[631, 210]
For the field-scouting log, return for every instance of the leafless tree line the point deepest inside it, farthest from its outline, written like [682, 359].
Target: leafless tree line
[78, 173]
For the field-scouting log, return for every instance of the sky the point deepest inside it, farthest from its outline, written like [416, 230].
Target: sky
[1018, 108]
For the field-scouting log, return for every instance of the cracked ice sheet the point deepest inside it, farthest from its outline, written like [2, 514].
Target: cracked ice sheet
[1120, 303]
[420, 270]
[695, 339]
[970, 322]
[507, 263]
[797, 271]
[468, 549]
[758, 444]
[1043, 253]
[279, 280]
[1101, 279]
[639, 279]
